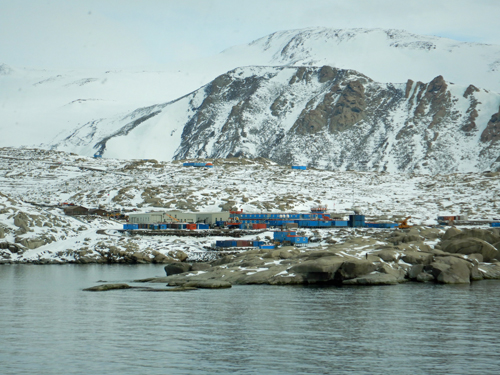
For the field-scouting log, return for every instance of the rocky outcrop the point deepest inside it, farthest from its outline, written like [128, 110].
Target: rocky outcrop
[470, 242]
[450, 270]
[106, 287]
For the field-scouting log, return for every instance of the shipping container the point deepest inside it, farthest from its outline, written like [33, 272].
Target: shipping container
[299, 167]
[203, 226]
[381, 225]
[259, 226]
[267, 247]
[340, 223]
[258, 243]
[297, 239]
[191, 226]
[495, 224]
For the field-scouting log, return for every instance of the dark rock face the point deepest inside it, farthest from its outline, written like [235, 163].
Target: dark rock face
[248, 115]
[177, 267]
[492, 131]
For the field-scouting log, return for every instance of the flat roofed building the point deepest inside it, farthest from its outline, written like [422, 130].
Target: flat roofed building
[146, 218]
[178, 217]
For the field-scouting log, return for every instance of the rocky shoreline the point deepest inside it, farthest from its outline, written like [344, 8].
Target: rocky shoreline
[459, 257]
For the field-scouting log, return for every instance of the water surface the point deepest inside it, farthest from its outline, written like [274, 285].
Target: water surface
[48, 325]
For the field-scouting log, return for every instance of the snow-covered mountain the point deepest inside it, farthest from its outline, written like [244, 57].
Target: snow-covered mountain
[359, 90]
[384, 55]
[323, 117]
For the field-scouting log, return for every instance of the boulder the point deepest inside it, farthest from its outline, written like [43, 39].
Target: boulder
[490, 271]
[287, 279]
[424, 277]
[451, 232]
[387, 255]
[178, 254]
[161, 258]
[200, 266]
[415, 270]
[450, 270]
[430, 233]
[177, 267]
[417, 257]
[328, 264]
[354, 268]
[482, 234]
[221, 261]
[318, 270]
[471, 246]
[398, 273]
[372, 279]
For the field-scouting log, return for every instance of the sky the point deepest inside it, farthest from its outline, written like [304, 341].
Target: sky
[119, 34]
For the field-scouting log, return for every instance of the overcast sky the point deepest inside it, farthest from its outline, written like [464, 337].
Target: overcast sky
[115, 34]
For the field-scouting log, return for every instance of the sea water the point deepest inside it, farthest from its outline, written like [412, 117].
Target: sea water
[48, 325]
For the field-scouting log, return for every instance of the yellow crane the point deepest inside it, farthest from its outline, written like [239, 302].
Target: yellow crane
[404, 223]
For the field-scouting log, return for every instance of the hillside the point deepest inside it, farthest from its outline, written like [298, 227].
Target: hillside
[323, 117]
[35, 182]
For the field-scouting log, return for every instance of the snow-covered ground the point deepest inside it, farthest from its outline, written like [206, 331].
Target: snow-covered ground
[33, 184]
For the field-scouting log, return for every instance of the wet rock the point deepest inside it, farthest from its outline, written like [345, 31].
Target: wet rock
[318, 270]
[208, 284]
[176, 268]
[398, 273]
[373, 279]
[354, 268]
[415, 270]
[424, 277]
[105, 287]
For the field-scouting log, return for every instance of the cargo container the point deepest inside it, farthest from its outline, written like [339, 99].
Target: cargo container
[301, 167]
[280, 236]
[297, 239]
[340, 223]
[203, 226]
[495, 224]
[356, 221]
[259, 226]
[258, 243]
[266, 247]
[381, 225]
[191, 226]
[130, 226]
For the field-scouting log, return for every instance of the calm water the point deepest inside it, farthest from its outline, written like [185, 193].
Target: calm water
[48, 325]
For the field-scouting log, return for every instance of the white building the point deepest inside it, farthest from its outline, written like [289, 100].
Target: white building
[154, 217]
